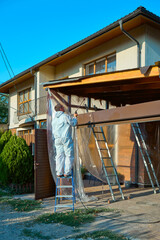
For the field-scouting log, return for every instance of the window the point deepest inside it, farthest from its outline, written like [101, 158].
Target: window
[111, 63]
[106, 64]
[43, 124]
[90, 69]
[100, 66]
[24, 102]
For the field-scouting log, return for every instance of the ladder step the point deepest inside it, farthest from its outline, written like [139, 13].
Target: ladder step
[97, 132]
[106, 157]
[103, 149]
[65, 186]
[108, 166]
[63, 205]
[64, 196]
[100, 140]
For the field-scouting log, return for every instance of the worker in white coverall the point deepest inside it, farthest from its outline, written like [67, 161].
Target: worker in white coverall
[62, 135]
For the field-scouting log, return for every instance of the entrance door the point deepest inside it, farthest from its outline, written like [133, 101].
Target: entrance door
[44, 184]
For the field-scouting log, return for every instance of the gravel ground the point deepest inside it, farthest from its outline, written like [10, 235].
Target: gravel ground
[138, 218]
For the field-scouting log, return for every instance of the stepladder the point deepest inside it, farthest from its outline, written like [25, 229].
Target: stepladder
[145, 156]
[108, 166]
[65, 192]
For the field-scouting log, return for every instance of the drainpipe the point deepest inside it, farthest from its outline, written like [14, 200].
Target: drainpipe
[134, 40]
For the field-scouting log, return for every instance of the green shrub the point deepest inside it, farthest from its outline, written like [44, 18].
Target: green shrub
[4, 173]
[1, 132]
[17, 161]
[4, 139]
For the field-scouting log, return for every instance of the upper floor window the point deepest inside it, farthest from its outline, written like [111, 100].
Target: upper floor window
[107, 64]
[111, 63]
[24, 101]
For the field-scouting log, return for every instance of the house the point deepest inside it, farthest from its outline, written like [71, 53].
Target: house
[115, 65]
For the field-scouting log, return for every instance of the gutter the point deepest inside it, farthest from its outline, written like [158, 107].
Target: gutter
[135, 41]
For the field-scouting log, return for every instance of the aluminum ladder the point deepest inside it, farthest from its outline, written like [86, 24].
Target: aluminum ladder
[59, 197]
[144, 153]
[98, 132]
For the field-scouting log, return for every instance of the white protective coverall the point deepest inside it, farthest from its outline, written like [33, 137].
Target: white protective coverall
[62, 135]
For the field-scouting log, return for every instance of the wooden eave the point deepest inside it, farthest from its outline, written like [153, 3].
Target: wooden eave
[120, 87]
[13, 82]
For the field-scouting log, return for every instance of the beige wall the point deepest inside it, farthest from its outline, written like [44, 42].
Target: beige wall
[46, 74]
[126, 55]
[152, 47]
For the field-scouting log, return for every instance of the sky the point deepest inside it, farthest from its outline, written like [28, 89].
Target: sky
[33, 30]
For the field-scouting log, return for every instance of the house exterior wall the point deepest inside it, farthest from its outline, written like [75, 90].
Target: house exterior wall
[125, 49]
[152, 47]
[46, 74]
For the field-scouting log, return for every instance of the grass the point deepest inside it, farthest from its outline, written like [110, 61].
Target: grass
[21, 205]
[76, 218]
[104, 234]
[34, 234]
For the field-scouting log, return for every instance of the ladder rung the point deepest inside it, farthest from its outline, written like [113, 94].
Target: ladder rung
[97, 132]
[63, 205]
[108, 166]
[111, 175]
[64, 196]
[65, 177]
[103, 149]
[65, 186]
[106, 157]
[100, 140]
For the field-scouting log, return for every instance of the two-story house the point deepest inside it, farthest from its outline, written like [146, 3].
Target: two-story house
[130, 43]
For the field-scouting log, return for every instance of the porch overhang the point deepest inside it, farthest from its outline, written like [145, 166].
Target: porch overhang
[120, 88]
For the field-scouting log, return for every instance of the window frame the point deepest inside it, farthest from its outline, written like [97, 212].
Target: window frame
[98, 60]
[24, 101]
[40, 123]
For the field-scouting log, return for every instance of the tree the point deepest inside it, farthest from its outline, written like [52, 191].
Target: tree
[3, 109]
[17, 161]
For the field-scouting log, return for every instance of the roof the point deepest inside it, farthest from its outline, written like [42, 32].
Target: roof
[139, 11]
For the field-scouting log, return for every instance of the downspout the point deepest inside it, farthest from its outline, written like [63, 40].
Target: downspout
[135, 41]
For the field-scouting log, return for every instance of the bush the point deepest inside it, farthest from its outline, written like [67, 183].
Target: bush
[16, 162]
[1, 132]
[4, 139]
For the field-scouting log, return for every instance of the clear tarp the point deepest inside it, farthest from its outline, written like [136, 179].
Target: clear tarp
[123, 148]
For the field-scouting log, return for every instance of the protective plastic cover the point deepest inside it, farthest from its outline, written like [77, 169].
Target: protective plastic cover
[122, 145]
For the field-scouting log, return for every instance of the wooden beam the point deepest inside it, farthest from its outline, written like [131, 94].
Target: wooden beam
[149, 111]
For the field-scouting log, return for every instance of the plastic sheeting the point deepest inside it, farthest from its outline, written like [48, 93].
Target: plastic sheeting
[123, 148]
[79, 187]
